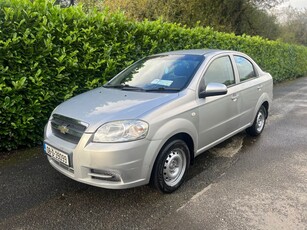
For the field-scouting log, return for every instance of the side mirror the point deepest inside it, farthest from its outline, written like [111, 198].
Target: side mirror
[213, 89]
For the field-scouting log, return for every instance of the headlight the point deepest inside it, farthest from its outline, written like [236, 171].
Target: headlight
[121, 131]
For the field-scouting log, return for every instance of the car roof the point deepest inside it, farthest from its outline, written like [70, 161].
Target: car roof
[202, 52]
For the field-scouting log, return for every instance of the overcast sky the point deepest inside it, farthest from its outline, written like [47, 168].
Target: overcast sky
[299, 4]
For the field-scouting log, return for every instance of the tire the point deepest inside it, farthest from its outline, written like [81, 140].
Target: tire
[259, 123]
[171, 166]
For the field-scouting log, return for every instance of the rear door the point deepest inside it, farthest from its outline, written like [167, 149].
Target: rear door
[250, 88]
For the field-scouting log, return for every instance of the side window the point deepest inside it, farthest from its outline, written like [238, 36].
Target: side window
[220, 71]
[245, 68]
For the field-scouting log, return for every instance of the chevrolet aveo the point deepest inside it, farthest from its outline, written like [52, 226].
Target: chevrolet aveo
[148, 123]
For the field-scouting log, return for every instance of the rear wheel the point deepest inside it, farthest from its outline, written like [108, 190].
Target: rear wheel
[259, 122]
[171, 166]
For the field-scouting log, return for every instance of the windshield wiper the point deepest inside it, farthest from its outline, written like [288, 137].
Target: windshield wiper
[114, 86]
[124, 87]
[163, 89]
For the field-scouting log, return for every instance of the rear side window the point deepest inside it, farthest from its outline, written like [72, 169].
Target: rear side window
[220, 71]
[245, 68]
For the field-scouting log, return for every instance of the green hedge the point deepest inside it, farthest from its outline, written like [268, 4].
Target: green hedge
[48, 54]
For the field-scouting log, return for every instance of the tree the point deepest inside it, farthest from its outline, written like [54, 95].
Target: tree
[238, 16]
[266, 4]
[294, 26]
[65, 3]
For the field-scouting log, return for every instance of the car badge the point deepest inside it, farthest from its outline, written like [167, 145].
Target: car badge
[63, 129]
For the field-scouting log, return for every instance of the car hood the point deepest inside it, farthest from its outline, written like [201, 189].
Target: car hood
[102, 105]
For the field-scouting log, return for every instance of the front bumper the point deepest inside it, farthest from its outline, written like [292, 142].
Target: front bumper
[106, 165]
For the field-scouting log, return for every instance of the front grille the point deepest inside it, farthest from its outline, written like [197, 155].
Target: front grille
[67, 128]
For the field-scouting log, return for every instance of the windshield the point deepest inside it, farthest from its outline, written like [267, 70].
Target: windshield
[158, 73]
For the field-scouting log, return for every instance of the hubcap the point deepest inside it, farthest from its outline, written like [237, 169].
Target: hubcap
[260, 121]
[174, 167]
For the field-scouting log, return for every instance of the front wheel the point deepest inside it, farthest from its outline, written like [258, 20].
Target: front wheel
[171, 166]
[259, 122]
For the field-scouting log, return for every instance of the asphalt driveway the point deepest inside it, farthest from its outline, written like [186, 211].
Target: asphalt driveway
[244, 183]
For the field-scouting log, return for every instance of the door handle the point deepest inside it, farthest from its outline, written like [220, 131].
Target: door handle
[234, 97]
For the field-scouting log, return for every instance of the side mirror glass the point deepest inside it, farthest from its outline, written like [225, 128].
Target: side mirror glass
[213, 89]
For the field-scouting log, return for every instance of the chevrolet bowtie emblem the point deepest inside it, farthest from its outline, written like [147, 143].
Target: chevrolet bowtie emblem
[63, 129]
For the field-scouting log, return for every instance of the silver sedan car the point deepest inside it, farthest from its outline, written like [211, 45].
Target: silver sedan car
[148, 123]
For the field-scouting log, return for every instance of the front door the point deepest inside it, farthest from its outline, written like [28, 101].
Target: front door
[218, 115]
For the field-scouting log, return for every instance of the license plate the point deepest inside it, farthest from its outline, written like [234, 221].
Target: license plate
[56, 154]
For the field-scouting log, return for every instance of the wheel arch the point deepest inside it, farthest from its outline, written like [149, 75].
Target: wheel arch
[187, 139]
[182, 136]
[266, 106]
[265, 101]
